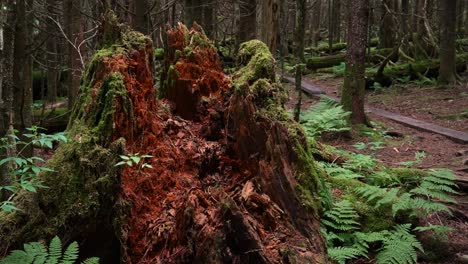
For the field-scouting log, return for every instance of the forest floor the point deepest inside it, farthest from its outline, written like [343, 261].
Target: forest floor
[445, 106]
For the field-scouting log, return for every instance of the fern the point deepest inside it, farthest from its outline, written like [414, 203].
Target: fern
[341, 254]
[359, 162]
[36, 253]
[342, 217]
[326, 116]
[400, 246]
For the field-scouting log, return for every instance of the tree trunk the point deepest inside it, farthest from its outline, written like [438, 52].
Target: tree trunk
[447, 73]
[7, 12]
[142, 16]
[316, 21]
[208, 18]
[301, 11]
[74, 31]
[269, 23]
[354, 82]
[460, 17]
[22, 73]
[336, 23]
[51, 57]
[248, 20]
[388, 28]
[405, 17]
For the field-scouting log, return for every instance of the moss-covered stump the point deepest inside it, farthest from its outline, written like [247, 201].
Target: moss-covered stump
[278, 156]
[235, 183]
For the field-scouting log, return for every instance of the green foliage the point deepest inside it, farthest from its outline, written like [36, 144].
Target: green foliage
[23, 171]
[326, 116]
[399, 246]
[425, 198]
[378, 192]
[134, 159]
[339, 70]
[418, 158]
[360, 162]
[36, 253]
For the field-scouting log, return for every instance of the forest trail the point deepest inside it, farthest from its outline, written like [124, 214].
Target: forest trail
[457, 136]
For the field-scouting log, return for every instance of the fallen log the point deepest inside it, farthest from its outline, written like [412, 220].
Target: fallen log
[335, 47]
[315, 63]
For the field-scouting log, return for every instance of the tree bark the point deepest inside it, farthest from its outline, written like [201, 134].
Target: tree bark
[7, 10]
[248, 20]
[209, 9]
[74, 31]
[388, 28]
[447, 72]
[22, 73]
[336, 21]
[301, 18]
[142, 16]
[269, 23]
[51, 57]
[354, 82]
[316, 21]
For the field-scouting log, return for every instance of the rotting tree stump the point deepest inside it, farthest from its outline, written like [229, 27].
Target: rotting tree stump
[233, 181]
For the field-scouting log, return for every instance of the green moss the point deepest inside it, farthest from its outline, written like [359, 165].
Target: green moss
[159, 54]
[258, 64]
[307, 177]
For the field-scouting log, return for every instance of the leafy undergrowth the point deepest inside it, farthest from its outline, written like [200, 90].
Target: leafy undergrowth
[374, 211]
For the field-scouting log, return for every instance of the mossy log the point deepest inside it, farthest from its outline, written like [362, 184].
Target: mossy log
[428, 68]
[336, 47]
[315, 63]
[236, 183]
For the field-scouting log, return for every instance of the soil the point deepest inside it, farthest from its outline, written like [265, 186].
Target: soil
[439, 105]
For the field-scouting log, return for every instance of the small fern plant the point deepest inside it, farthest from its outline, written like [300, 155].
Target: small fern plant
[326, 116]
[429, 196]
[36, 253]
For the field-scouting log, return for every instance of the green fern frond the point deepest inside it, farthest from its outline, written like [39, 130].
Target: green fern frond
[359, 162]
[17, 256]
[326, 116]
[36, 253]
[55, 251]
[400, 246]
[91, 261]
[429, 206]
[71, 254]
[341, 254]
[403, 203]
[341, 217]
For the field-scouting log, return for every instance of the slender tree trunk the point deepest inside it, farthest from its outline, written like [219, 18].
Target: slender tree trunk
[248, 20]
[51, 57]
[460, 17]
[354, 82]
[301, 11]
[316, 21]
[141, 16]
[404, 17]
[447, 73]
[336, 23]
[269, 23]
[74, 32]
[330, 24]
[22, 73]
[388, 26]
[7, 11]
[208, 18]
